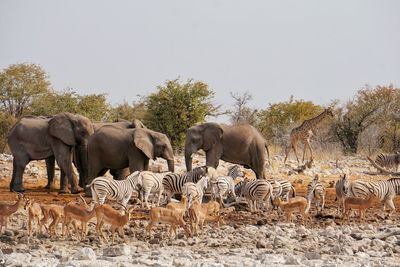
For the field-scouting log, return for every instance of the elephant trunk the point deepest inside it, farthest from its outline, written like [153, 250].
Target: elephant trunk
[171, 166]
[188, 160]
[81, 162]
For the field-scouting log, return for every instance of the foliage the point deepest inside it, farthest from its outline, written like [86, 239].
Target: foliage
[278, 119]
[93, 106]
[242, 114]
[369, 107]
[20, 84]
[177, 106]
[7, 121]
[128, 112]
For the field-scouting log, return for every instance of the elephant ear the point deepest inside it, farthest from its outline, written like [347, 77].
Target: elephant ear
[138, 124]
[212, 135]
[144, 142]
[60, 126]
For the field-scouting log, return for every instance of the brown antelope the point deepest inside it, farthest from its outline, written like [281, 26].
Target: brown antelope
[6, 210]
[169, 216]
[296, 204]
[107, 214]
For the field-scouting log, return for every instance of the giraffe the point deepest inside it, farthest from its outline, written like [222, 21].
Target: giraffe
[304, 132]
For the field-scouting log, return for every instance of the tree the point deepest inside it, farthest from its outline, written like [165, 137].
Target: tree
[92, 106]
[128, 112]
[242, 114]
[7, 121]
[177, 106]
[369, 107]
[278, 119]
[20, 84]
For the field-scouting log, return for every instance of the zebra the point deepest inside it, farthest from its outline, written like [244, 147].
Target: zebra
[119, 190]
[225, 185]
[150, 182]
[385, 190]
[315, 189]
[341, 186]
[192, 190]
[388, 161]
[256, 192]
[286, 187]
[173, 182]
[276, 188]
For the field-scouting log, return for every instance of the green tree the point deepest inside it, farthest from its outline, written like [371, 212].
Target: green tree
[128, 112]
[20, 84]
[278, 119]
[7, 121]
[177, 106]
[93, 106]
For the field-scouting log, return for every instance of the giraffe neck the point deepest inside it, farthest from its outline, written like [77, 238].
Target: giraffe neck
[311, 123]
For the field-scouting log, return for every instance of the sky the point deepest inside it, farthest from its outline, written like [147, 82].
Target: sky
[313, 50]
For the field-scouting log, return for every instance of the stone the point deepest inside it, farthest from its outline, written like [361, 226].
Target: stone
[85, 254]
[154, 241]
[292, 260]
[377, 242]
[312, 255]
[181, 262]
[115, 251]
[362, 255]
[261, 244]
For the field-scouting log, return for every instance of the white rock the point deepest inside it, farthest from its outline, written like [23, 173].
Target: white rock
[85, 254]
[115, 251]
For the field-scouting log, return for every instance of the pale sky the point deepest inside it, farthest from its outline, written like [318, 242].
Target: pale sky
[314, 50]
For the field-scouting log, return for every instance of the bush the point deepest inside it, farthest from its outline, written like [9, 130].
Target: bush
[6, 123]
[177, 106]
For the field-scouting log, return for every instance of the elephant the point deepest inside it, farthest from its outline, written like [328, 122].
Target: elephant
[114, 148]
[54, 138]
[117, 174]
[237, 144]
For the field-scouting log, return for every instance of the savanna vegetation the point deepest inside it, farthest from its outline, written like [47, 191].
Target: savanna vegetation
[369, 122]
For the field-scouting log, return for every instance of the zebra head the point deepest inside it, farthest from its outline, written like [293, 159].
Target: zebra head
[133, 179]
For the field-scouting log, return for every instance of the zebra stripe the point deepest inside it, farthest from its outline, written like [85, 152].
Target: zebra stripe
[388, 161]
[225, 185]
[150, 182]
[118, 190]
[192, 190]
[342, 187]
[173, 182]
[385, 190]
[315, 189]
[256, 192]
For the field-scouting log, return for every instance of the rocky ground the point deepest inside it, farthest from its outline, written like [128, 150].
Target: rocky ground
[245, 240]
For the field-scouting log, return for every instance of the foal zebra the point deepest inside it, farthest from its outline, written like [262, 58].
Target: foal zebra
[341, 186]
[173, 182]
[256, 192]
[119, 190]
[225, 185]
[195, 190]
[316, 190]
[385, 190]
[149, 182]
[388, 161]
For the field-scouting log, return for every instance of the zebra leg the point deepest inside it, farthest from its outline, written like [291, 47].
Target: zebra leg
[391, 206]
[146, 198]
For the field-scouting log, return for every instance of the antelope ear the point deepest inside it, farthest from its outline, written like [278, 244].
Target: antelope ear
[144, 142]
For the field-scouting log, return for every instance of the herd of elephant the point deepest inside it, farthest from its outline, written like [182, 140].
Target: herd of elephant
[122, 147]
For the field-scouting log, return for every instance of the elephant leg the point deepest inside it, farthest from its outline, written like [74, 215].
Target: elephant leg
[212, 159]
[63, 183]
[50, 165]
[19, 164]
[63, 156]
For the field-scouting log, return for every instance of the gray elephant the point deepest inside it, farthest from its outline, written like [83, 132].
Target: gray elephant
[117, 174]
[53, 139]
[111, 147]
[238, 144]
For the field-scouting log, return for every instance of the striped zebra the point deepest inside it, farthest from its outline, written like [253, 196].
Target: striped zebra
[118, 190]
[256, 192]
[173, 182]
[385, 190]
[341, 186]
[388, 161]
[195, 190]
[276, 188]
[315, 189]
[225, 185]
[149, 182]
[286, 188]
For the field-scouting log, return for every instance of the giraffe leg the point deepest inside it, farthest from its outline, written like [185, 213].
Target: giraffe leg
[304, 151]
[309, 147]
[287, 152]
[295, 152]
